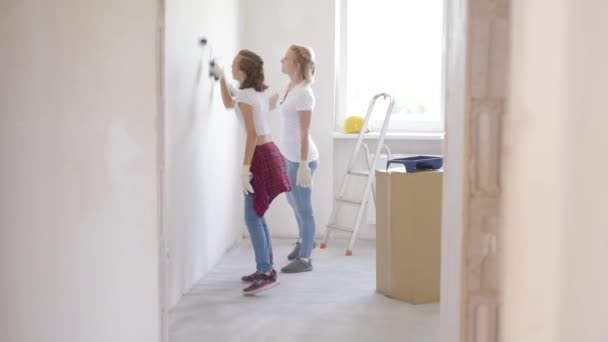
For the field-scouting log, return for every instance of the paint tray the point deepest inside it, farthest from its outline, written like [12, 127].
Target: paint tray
[417, 163]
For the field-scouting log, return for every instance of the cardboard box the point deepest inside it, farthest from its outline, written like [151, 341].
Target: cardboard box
[408, 235]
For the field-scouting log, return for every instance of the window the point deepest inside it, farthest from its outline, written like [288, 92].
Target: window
[393, 46]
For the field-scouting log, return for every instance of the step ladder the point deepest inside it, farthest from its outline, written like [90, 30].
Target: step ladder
[340, 200]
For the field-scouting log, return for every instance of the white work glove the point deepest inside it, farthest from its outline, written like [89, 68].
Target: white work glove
[304, 178]
[218, 70]
[246, 177]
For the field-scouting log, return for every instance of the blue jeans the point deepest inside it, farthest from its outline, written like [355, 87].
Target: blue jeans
[260, 237]
[300, 200]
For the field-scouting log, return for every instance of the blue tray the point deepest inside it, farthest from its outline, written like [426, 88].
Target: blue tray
[417, 163]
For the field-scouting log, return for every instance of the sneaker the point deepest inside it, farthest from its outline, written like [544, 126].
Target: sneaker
[254, 276]
[297, 266]
[262, 283]
[296, 250]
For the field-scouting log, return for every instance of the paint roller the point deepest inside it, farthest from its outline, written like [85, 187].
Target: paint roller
[203, 42]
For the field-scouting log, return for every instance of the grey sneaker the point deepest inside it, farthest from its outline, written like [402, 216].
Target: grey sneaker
[297, 266]
[296, 250]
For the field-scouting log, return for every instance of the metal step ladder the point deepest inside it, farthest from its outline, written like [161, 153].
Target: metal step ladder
[340, 200]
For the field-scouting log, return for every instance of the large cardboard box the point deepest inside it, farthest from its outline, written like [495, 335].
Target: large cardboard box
[408, 235]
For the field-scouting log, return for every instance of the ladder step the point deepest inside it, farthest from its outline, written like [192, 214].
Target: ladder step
[342, 228]
[347, 201]
[363, 173]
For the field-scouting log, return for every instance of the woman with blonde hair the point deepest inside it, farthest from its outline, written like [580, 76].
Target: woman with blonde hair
[296, 105]
[263, 175]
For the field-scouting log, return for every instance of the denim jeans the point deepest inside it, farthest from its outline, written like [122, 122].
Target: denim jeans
[260, 237]
[300, 200]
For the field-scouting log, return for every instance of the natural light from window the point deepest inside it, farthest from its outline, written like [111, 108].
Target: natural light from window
[396, 46]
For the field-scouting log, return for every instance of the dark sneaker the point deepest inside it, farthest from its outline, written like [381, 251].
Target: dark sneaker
[296, 250]
[297, 266]
[255, 275]
[262, 283]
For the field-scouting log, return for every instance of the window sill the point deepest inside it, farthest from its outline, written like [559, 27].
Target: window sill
[392, 136]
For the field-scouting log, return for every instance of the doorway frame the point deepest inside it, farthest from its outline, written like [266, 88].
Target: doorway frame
[452, 306]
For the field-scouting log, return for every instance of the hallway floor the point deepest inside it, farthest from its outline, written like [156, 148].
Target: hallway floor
[335, 302]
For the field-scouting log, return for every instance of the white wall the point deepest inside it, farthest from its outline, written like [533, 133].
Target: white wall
[203, 143]
[270, 26]
[79, 202]
[555, 268]
[343, 149]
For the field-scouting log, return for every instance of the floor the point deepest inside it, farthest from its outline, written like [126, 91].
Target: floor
[335, 302]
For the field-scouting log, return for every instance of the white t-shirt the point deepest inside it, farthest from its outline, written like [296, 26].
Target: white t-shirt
[300, 98]
[259, 102]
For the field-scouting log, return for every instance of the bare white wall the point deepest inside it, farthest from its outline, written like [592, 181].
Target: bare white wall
[555, 267]
[343, 149]
[203, 143]
[78, 171]
[269, 27]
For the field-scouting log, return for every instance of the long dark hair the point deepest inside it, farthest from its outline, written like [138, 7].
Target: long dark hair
[253, 67]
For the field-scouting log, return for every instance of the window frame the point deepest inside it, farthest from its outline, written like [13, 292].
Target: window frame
[397, 124]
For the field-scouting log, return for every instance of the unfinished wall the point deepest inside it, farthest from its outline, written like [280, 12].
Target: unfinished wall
[555, 210]
[488, 70]
[203, 203]
[79, 208]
